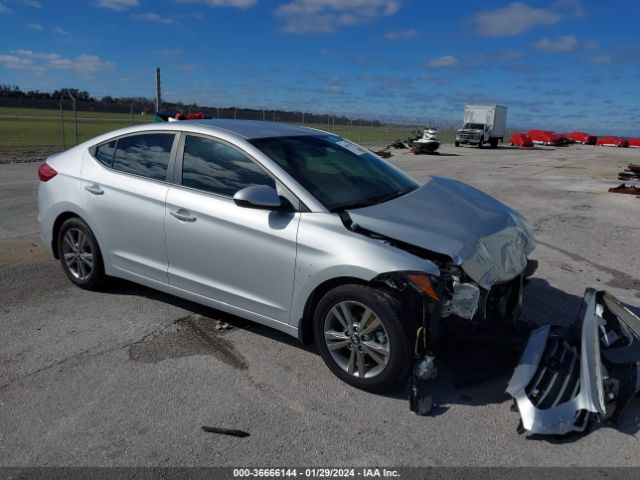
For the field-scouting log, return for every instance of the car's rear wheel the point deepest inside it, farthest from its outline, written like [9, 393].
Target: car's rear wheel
[79, 254]
[363, 337]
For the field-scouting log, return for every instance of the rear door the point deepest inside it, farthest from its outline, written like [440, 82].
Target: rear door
[241, 257]
[125, 187]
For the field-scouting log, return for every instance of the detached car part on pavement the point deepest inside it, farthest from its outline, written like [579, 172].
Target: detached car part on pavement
[291, 227]
[569, 375]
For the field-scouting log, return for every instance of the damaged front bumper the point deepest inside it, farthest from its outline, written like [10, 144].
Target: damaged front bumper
[568, 376]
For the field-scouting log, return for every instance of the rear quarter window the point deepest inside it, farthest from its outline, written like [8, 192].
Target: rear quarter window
[104, 153]
[146, 155]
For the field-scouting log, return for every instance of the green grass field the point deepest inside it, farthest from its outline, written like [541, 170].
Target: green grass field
[26, 127]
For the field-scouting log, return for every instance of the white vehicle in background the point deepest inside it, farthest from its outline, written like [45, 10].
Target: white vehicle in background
[483, 124]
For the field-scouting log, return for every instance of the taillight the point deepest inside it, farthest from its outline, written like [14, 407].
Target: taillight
[46, 172]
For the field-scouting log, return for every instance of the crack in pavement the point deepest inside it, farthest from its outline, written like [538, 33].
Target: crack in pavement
[87, 354]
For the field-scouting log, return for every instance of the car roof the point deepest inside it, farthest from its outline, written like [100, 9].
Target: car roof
[251, 129]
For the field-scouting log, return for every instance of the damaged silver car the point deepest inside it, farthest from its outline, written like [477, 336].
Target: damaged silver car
[291, 227]
[570, 376]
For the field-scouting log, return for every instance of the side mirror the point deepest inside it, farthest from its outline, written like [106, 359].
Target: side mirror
[258, 196]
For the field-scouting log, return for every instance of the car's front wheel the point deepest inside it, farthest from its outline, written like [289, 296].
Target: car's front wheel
[363, 337]
[79, 254]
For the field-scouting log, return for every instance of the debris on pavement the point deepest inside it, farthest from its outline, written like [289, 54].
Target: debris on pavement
[422, 374]
[399, 144]
[623, 188]
[382, 153]
[569, 377]
[225, 431]
[220, 325]
[632, 172]
[408, 142]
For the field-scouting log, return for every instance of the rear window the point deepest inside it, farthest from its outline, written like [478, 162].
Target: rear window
[146, 155]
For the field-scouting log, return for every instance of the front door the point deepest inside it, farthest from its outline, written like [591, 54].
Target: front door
[238, 256]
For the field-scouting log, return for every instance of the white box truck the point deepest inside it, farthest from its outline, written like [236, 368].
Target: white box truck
[483, 124]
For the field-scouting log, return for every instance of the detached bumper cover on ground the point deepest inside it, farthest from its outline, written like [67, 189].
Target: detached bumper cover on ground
[568, 375]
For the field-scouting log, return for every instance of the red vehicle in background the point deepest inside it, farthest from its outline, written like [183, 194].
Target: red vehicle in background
[612, 142]
[521, 139]
[634, 142]
[545, 137]
[581, 137]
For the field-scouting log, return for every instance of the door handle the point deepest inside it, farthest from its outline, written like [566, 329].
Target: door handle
[95, 189]
[183, 215]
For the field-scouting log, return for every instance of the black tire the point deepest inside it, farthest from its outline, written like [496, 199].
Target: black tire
[398, 332]
[481, 142]
[96, 276]
[494, 143]
[457, 144]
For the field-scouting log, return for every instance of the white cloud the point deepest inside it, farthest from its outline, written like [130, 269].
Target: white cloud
[509, 55]
[231, 3]
[334, 89]
[32, 3]
[152, 18]
[324, 16]
[4, 9]
[562, 44]
[224, 3]
[83, 65]
[117, 4]
[443, 62]
[514, 19]
[35, 26]
[60, 31]
[401, 34]
[11, 61]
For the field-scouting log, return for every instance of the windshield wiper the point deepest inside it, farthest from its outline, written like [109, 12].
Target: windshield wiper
[371, 201]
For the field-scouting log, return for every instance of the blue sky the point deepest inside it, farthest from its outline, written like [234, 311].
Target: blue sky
[559, 64]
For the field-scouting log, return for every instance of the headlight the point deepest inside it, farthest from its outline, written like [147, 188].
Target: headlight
[422, 283]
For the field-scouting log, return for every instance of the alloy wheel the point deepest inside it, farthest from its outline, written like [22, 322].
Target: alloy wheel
[77, 253]
[357, 339]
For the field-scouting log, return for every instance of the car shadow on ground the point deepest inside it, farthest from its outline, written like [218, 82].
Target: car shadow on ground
[473, 367]
[125, 287]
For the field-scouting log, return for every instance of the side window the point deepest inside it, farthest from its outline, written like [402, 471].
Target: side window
[146, 155]
[104, 153]
[217, 168]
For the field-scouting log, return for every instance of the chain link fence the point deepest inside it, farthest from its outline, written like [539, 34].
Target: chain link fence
[55, 125]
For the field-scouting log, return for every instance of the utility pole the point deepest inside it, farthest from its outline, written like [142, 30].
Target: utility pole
[158, 95]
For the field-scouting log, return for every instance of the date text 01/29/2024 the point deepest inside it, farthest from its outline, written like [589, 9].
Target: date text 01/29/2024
[314, 472]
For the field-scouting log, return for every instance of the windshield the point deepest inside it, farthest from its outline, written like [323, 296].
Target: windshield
[474, 126]
[339, 173]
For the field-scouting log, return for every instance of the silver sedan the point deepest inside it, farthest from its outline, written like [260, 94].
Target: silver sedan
[291, 227]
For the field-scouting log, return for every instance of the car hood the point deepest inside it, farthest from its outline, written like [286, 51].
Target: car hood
[489, 240]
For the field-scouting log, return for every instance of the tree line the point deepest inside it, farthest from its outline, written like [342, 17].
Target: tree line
[14, 96]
